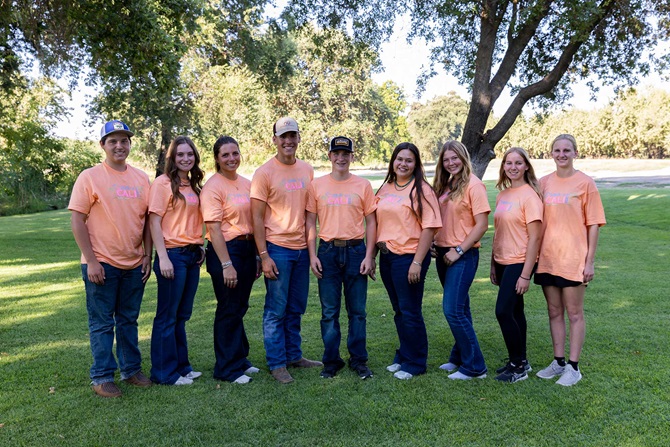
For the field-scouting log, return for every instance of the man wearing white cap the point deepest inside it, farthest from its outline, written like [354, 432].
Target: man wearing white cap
[278, 198]
[109, 206]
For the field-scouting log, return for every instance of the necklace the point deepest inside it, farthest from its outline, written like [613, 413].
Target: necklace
[401, 187]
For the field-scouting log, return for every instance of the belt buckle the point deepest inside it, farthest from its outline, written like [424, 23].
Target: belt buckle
[339, 243]
[382, 247]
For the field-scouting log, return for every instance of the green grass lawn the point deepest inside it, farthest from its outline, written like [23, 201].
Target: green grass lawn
[45, 398]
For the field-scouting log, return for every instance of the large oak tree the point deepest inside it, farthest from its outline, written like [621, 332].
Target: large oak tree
[535, 48]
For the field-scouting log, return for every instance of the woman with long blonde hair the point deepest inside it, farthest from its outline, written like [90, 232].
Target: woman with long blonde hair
[516, 243]
[464, 208]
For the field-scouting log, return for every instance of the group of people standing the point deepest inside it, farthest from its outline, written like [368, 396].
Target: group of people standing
[270, 225]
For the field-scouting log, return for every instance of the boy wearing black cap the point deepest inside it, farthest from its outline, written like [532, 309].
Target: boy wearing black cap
[345, 207]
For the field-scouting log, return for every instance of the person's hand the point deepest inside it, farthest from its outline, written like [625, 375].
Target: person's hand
[414, 274]
[230, 277]
[368, 266]
[146, 268]
[315, 265]
[522, 285]
[259, 268]
[167, 269]
[433, 251]
[494, 280]
[589, 271]
[95, 273]
[451, 256]
[202, 256]
[270, 268]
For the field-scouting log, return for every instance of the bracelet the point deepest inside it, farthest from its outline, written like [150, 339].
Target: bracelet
[225, 265]
[416, 263]
[264, 252]
[527, 279]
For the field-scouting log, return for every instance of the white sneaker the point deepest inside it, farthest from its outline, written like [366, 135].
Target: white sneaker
[449, 367]
[395, 367]
[251, 370]
[193, 375]
[402, 375]
[183, 381]
[243, 379]
[570, 376]
[551, 371]
[460, 376]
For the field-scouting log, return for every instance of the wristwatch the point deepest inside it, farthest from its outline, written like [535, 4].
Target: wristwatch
[459, 250]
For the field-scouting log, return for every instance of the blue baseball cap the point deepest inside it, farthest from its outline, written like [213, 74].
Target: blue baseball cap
[114, 126]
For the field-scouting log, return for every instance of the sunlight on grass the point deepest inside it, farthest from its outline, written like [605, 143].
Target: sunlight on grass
[622, 304]
[22, 270]
[648, 196]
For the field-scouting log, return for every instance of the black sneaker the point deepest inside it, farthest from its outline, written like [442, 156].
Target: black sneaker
[525, 364]
[328, 373]
[512, 374]
[363, 371]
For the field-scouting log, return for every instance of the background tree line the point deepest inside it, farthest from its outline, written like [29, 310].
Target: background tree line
[207, 67]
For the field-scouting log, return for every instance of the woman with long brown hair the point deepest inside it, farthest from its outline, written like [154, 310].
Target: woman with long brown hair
[176, 230]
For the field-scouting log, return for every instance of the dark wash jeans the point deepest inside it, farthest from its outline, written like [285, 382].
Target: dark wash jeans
[174, 306]
[341, 268]
[510, 311]
[231, 346]
[114, 305]
[457, 279]
[406, 300]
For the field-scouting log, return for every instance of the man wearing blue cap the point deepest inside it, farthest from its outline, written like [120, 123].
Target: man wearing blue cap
[109, 205]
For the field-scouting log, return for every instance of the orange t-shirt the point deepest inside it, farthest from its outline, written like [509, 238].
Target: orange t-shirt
[397, 222]
[515, 209]
[458, 218]
[227, 201]
[341, 206]
[570, 206]
[284, 189]
[115, 204]
[182, 223]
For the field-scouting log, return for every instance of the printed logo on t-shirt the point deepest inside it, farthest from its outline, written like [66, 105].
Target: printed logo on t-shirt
[337, 199]
[505, 206]
[127, 192]
[294, 184]
[391, 199]
[192, 198]
[557, 198]
[237, 199]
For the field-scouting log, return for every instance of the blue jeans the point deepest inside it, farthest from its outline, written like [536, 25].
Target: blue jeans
[285, 302]
[231, 346]
[169, 350]
[115, 304]
[457, 279]
[406, 300]
[341, 266]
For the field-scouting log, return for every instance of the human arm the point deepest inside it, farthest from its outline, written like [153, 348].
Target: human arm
[148, 248]
[534, 229]
[258, 208]
[95, 272]
[310, 229]
[155, 222]
[481, 225]
[221, 250]
[425, 240]
[368, 265]
[593, 231]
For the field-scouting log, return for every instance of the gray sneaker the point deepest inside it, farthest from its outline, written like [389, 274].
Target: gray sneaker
[570, 376]
[551, 371]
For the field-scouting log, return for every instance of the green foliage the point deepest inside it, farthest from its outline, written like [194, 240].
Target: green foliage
[635, 125]
[37, 170]
[621, 401]
[435, 122]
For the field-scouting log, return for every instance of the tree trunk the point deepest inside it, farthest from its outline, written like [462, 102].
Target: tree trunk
[166, 138]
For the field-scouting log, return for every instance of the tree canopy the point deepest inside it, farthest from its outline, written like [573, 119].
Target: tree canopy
[534, 48]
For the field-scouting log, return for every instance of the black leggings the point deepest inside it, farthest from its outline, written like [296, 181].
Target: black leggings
[509, 311]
